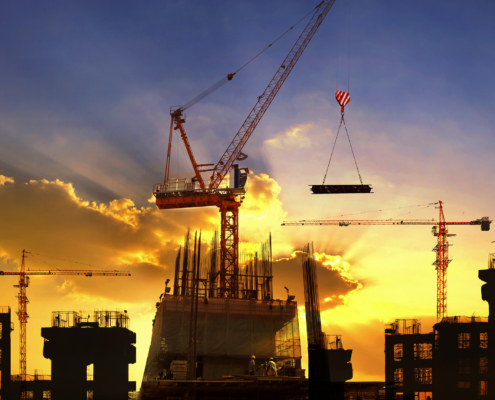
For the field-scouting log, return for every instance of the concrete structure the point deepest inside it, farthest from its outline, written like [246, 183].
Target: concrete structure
[230, 331]
[452, 362]
[449, 363]
[408, 360]
[488, 294]
[461, 358]
[38, 387]
[73, 343]
[6, 327]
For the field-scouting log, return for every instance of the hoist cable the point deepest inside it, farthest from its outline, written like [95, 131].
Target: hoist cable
[70, 261]
[349, 49]
[334, 143]
[303, 18]
[397, 216]
[200, 97]
[229, 77]
[342, 120]
[350, 144]
[337, 80]
[382, 210]
[349, 52]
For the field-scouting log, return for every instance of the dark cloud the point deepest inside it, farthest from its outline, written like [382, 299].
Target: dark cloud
[48, 218]
[35, 165]
[331, 283]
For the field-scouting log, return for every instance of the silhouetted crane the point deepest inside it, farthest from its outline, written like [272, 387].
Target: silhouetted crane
[180, 193]
[23, 300]
[441, 249]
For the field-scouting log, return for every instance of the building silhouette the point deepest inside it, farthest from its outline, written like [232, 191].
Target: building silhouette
[102, 341]
[450, 362]
[73, 343]
[6, 327]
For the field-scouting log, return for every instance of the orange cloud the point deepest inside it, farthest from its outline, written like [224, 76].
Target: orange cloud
[48, 217]
[334, 286]
[302, 135]
[261, 213]
[5, 179]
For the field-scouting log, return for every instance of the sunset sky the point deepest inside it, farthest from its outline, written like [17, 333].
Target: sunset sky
[85, 93]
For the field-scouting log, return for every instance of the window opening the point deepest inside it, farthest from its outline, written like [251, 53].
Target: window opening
[89, 372]
[398, 351]
[483, 365]
[463, 340]
[399, 376]
[423, 395]
[484, 340]
[482, 387]
[423, 351]
[423, 375]
[464, 366]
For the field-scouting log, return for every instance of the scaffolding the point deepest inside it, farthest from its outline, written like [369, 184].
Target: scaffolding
[253, 280]
[102, 319]
[219, 330]
[226, 329]
[404, 327]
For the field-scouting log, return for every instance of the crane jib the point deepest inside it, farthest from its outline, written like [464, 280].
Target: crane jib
[264, 101]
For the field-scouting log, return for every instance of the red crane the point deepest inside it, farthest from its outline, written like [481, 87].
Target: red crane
[441, 249]
[184, 194]
[23, 300]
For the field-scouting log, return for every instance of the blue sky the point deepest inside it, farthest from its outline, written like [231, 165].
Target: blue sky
[85, 93]
[109, 71]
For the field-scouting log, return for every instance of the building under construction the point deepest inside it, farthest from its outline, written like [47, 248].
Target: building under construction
[6, 326]
[451, 362]
[210, 322]
[73, 343]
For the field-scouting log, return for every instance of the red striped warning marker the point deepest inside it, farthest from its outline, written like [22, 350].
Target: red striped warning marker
[342, 97]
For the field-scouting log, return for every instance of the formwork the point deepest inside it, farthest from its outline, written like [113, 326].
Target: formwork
[229, 332]
[217, 318]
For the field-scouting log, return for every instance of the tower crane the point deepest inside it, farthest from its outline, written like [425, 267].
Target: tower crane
[439, 230]
[23, 300]
[181, 193]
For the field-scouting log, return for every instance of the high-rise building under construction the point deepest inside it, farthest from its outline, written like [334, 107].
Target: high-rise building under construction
[214, 321]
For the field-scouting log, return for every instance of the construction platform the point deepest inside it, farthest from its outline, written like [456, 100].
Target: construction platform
[230, 331]
[249, 387]
[230, 387]
[339, 189]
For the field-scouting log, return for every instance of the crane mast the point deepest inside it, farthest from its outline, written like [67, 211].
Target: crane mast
[441, 250]
[174, 194]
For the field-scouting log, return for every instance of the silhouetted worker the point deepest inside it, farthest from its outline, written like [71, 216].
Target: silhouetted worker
[268, 296]
[272, 368]
[262, 369]
[251, 367]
